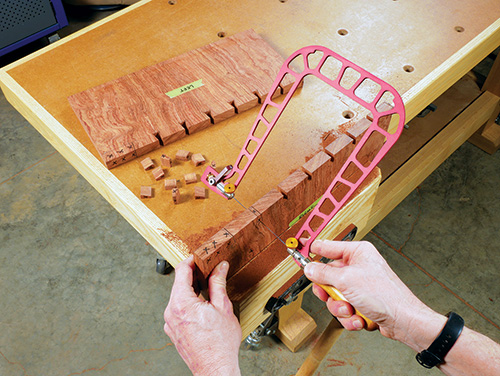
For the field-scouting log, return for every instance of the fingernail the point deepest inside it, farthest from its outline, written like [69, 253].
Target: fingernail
[343, 311]
[309, 270]
[358, 324]
[224, 266]
[318, 242]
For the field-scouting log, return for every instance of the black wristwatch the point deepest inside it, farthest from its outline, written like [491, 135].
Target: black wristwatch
[436, 352]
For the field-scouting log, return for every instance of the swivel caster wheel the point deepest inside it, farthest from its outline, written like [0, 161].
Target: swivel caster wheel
[163, 267]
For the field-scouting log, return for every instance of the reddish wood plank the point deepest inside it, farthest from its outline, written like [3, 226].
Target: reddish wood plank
[210, 254]
[321, 171]
[126, 118]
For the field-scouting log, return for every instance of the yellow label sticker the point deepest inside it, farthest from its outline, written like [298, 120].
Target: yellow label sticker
[184, 89]
[301, 215]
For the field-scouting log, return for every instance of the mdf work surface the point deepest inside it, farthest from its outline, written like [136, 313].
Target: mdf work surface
[420, 49]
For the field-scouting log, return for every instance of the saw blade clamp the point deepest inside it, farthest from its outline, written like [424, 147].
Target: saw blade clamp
[218, 181]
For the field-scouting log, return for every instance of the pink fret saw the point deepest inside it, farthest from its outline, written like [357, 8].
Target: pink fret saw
[299, 246]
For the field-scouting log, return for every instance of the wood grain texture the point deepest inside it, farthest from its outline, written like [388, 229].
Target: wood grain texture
[200, 193]
[147, 163]
[146, 191]
[182, 155]
[191, 178]
[197, 159]
[166, 161]
[158, 173]
[127, 117]
[170, 184]
[295, 326]
[322, 346]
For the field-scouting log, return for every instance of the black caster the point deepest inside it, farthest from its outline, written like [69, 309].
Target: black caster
[163, 267]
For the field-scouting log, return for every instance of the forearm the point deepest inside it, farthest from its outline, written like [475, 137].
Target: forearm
[472, 354]
[229, 368]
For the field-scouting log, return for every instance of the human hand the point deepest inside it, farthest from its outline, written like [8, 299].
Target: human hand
[362, 275]
[207, 334]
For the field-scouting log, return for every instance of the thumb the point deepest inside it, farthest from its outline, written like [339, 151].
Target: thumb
[217, 286]
[325, 274]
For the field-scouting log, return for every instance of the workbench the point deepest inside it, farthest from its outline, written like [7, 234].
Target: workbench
[422, 49]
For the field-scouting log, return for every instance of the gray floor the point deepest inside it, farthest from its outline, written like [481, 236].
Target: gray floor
[79, 294]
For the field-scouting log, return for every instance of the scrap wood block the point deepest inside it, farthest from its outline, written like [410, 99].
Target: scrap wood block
[182, 155]
[176, 196]
[200, 193]
[295, 326]
[191, 178]
[298, 330]
[197, 159]
[170, 184]
[146, 191]
[166, 161]
[158, 173]
[127, 117]
[147, 163]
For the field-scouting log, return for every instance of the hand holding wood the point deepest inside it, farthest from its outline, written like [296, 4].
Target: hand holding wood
[207, 334]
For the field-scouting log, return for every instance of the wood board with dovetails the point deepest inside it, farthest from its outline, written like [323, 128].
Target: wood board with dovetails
[134, 114]
[249, 242]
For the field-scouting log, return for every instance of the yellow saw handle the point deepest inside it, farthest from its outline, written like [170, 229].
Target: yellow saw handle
[337, 295]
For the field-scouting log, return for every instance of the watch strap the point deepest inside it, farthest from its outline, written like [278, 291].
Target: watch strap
[436, 352]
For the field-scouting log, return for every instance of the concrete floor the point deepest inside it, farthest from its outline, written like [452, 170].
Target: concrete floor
[79, 293]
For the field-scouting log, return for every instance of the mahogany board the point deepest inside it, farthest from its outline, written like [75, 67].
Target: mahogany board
[134, 114]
